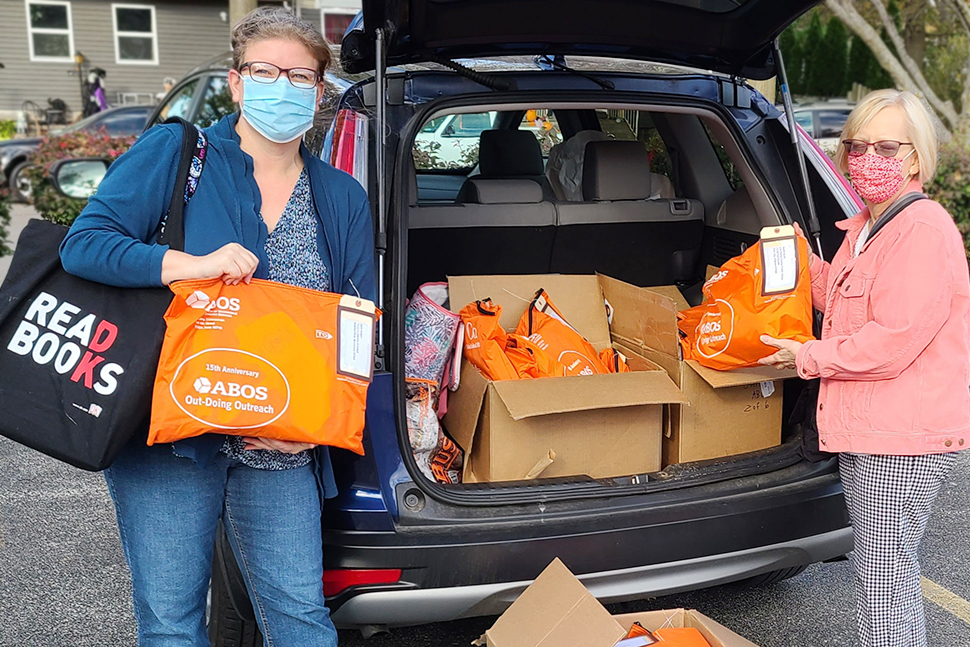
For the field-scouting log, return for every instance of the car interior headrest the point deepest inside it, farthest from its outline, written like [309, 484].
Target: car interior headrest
[615, 170]
[509, 153]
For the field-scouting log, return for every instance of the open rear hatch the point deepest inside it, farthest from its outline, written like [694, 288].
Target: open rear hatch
[728, 36]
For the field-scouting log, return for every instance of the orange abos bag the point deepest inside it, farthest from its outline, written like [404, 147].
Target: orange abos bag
[266, 359]
[485, 340]
[764, 291]
[544, 325]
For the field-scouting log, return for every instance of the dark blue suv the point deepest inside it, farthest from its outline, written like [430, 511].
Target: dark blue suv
[722, 163]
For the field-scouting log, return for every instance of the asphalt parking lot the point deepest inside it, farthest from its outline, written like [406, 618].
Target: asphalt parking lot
[63, 579]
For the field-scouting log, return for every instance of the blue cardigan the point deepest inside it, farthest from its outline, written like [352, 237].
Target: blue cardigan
[112, 241]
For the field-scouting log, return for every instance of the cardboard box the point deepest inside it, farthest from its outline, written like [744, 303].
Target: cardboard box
[557, 611]
[728, 412]
[597, 425]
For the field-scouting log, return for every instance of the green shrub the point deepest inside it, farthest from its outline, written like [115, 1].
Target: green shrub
[49, 203]
[4, 223]
[8, 128]
[951, 186]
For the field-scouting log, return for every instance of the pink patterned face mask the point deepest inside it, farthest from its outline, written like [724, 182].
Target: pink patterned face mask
[875, 177]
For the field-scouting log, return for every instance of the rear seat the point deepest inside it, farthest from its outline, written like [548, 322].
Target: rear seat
[619, 230]
[509, 229]
[508, 226]
[501, 223]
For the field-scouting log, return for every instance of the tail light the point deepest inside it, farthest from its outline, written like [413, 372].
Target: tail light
[337, 580]
[346, 144]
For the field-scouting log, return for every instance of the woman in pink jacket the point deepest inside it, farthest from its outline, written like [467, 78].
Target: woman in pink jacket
[894, 358]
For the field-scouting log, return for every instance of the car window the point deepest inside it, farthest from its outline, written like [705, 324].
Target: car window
[179, 103]
[730, 172]
[830, 122]
[124, 124]
[432, 125]
[804, 119]
[216, 103]
[469, 125]
[543, 124]
[453, 147]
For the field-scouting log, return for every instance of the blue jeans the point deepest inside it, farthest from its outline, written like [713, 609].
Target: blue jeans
[168, 509]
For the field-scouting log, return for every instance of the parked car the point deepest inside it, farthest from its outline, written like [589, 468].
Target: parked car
[402, 549]
[823, 121]
[123, 121]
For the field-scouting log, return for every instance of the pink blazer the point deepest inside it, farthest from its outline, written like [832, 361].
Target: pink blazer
[894, 357]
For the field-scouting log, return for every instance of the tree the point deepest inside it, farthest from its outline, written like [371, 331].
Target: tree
[790, 42]
[816, 56]
[861, 62]
[835, 42]
[905, 71]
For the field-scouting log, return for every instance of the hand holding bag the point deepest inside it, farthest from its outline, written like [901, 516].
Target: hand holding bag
[78, 358]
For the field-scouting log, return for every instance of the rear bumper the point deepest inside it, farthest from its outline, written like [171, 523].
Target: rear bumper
[418, 606]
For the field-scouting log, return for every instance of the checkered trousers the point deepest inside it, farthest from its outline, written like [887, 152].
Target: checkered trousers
[889, 500]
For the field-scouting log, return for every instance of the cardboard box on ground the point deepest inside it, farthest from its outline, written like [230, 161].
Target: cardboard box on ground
[597, 425]
[556, 610]
[728, 412]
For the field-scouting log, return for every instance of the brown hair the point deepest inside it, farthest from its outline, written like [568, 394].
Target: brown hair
[276, 22]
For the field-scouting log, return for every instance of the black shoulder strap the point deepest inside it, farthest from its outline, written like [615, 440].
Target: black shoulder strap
[171, 231]
[894, 210]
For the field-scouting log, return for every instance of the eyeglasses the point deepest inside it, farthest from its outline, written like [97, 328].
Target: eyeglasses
[299, 77]
[885, 148]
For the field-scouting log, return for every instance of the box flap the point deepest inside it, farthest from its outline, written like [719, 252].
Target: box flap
[643, 316]
[577, 297]
[740, 376]
[555, 610]
[464, 406]
[528, 398]
[673, 293]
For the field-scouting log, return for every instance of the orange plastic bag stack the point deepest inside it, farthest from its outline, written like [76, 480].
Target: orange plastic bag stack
[266, 360]
[764, 291]
[543, 344]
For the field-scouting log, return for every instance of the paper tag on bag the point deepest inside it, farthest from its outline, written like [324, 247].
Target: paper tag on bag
[779, 260]
[355, 338]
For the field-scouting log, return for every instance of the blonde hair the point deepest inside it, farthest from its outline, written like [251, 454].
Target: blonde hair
[922, 132]
[266, 23]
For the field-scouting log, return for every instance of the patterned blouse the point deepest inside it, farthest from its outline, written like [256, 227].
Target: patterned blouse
[293, 258]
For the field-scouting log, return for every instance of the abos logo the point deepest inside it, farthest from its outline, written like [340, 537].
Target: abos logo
[202, 301]
[227, 388]
[715, 329]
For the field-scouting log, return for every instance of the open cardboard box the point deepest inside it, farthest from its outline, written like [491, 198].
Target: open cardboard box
[728, 412]
[557, 611]
[598, 425]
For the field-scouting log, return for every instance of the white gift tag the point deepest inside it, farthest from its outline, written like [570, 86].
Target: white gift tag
[767, 389]
[355, 338]
[779, 259]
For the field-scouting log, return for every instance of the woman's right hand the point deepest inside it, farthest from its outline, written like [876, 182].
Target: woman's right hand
[232, 263]
[799, 232]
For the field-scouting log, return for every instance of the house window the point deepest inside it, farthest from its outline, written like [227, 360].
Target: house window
[49, 27]
[136, 34]
[335, 23]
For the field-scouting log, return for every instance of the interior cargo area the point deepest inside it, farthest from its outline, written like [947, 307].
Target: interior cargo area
[631, 205]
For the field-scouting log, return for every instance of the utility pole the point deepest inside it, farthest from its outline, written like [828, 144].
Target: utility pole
[239, 8]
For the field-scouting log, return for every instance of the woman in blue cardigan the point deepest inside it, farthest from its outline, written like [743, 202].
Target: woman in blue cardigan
[265, 208]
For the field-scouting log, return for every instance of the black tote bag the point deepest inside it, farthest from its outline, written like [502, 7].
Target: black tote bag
[78, 358]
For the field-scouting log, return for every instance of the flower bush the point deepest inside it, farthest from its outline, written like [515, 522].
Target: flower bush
[49, 203]
[4, 223]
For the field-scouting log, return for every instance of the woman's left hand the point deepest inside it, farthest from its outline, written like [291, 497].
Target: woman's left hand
[284, 446]
[785, 357]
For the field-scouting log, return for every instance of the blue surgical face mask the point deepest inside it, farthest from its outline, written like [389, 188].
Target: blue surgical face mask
[278, 111]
